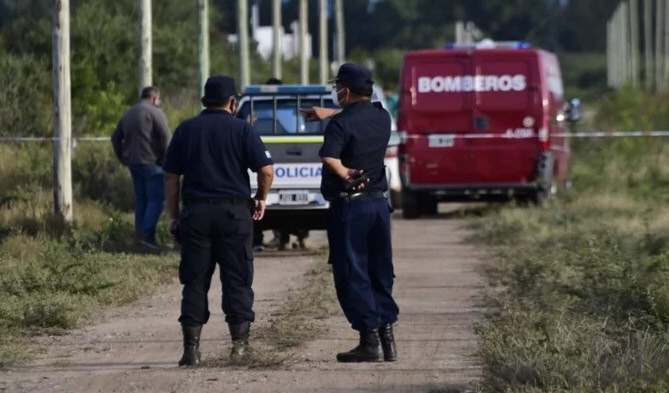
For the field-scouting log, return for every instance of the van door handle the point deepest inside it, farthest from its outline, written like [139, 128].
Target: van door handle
[294, 151]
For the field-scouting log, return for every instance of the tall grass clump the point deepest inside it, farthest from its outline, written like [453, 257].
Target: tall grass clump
[55, 277]
[580, 288]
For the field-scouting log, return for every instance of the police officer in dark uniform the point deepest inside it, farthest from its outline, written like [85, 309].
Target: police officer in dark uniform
[213, 152]
[354, 181]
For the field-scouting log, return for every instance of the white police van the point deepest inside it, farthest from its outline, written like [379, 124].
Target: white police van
[295, 201]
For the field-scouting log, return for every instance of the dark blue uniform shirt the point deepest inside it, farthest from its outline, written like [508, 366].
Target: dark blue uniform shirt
[358, 136]
[214, 152]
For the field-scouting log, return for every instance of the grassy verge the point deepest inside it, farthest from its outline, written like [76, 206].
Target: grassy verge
[580, 289]
[52, 277]
[293, 324]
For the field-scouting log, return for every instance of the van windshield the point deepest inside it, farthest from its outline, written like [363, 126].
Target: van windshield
[262, 112]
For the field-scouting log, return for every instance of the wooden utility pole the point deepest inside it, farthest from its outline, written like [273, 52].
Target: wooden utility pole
[145, 44]
[625, 43]
[612, 34]
[323, 44]
[620, 70]
[203, 44]
[243, 34]
[62, 119]
[659, 44]
[341, 42]
[459, 32]
[276, 37]
[304, 30]
[634, 41]
[648, 43]
[665, 26]
[609, 53]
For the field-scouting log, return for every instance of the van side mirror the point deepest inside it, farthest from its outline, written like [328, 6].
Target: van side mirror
[573, 110]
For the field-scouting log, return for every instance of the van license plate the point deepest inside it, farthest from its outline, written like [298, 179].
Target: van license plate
[444, 140]
[293, 197]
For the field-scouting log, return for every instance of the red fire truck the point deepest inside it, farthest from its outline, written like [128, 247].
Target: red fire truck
[481, 123]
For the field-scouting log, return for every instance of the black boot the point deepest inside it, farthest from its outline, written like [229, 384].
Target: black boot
[191, 356]
[240, 339]
[388, 342]
[369, 349]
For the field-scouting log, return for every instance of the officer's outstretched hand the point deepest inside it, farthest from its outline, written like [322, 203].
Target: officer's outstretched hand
[317, 113]
[259, 211]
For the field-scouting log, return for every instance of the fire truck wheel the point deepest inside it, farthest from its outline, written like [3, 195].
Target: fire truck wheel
[428, 205]
[540, 196]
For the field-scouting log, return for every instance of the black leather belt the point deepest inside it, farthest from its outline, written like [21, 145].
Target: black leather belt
[346, 197]
[218, 201]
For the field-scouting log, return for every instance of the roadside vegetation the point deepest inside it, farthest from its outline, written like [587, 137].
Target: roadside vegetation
[54, 278]
[579, 289]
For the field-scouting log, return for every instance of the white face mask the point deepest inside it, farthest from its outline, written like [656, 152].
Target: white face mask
[335, 96]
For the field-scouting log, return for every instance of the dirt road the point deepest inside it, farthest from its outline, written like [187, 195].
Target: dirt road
[135, 348]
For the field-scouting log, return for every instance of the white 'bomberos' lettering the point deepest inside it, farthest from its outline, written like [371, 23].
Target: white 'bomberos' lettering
[467, 83]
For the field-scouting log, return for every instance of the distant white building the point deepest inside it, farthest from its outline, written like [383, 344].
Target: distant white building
[290, 44]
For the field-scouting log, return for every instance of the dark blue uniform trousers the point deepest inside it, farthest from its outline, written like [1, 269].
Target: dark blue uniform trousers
[210, 234]
[361, 258]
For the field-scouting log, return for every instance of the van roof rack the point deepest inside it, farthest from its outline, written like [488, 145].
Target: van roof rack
[490, 44]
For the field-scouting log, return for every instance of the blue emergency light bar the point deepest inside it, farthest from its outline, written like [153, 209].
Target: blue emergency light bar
[490, 44]
[287, 89]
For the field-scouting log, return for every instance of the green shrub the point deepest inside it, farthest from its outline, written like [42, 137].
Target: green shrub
[26, 96]
[98, 175]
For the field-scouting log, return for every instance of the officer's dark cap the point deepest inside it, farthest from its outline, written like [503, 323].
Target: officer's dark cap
[356, 77]
[218, 89]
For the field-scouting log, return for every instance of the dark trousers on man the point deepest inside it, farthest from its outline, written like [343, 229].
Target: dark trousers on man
[361, 258]
[216, 231]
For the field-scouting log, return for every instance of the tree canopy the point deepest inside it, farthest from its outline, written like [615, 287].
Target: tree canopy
[104, 47]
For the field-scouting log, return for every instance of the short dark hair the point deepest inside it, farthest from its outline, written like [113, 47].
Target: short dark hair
[216, 103]
[273, 81]
[149, 92]
[366, 93]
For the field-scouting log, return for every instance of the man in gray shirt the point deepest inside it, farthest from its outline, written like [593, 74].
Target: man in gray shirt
[140, 141]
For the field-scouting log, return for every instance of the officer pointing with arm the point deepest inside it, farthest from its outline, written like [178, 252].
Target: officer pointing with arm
[359, 218]
[213, 153]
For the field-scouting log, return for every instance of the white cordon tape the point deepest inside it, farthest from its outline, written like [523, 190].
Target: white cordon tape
[603, 134]
[611, 134]
[45, 139]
